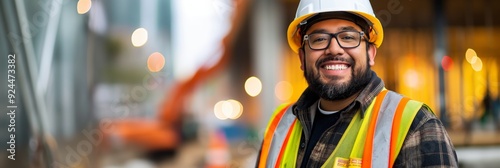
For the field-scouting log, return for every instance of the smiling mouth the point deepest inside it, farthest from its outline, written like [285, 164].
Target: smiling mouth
[335, 67]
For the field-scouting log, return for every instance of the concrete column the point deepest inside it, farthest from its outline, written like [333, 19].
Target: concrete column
[440, 50]
[269, 35]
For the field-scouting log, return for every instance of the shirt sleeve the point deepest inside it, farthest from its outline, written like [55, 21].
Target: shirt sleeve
[427, 143]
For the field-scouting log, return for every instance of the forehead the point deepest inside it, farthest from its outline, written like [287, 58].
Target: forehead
[333, 25]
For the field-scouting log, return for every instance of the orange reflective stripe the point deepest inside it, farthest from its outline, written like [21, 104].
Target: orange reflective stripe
[395, 129]
[367, 152]
[283, 147]
[269, 136]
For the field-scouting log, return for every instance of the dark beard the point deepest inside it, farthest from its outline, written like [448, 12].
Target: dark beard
[339, 91]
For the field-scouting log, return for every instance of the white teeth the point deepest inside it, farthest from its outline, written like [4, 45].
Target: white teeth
[336, 67]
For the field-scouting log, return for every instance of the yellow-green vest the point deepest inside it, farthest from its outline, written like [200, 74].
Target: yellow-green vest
[370, 141]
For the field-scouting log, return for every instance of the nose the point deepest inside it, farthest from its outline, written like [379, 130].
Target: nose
[334, 48]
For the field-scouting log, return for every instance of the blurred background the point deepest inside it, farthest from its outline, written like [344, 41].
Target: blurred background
[192, 83]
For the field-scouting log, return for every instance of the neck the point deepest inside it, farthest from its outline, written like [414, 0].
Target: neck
[336, 105]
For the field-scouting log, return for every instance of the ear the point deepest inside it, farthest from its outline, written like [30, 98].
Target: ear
[301, 57]
[372, 52]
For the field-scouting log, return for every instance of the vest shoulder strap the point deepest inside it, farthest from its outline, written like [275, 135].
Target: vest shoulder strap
[389, 130]
[406, 112]
[273, 136]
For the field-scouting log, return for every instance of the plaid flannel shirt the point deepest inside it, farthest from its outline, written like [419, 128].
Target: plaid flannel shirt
[426, 145]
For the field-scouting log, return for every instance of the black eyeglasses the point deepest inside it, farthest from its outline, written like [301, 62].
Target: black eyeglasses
[345, 39]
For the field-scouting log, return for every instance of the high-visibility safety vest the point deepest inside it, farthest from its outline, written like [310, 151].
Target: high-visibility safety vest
[372, 141]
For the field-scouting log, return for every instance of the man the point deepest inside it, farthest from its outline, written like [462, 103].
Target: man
[346, 118]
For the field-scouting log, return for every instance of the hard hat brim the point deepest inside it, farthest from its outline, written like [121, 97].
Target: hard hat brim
[294, 39]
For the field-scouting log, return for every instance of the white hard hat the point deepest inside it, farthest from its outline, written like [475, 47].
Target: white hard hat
[310, 8]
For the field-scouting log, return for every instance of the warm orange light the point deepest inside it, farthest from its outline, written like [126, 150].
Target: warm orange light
[470, 55]
[156, 62]
[283, 90]
[494, 79]
[412, 79]
[83, 6]
[477, 64]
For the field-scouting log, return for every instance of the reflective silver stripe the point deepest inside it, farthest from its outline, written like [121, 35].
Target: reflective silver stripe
[382, 137]
[279, 136]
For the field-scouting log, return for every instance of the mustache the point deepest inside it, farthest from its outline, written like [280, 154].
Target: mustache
[333, 58]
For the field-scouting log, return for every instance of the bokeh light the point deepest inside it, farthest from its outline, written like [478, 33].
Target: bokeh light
[228, 109]
[156, 62]
[83, 6]
[447, 63]
[470, 54]
[218, 110]
[283, 90]
[253, 86]
[412, 78]
[237, 109]
[139, 37]
[474, 60]
[477, 64]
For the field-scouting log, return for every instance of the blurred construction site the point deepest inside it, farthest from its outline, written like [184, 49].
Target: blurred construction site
[192, 83]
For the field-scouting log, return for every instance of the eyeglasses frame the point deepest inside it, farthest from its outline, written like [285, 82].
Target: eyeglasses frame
[334, 35]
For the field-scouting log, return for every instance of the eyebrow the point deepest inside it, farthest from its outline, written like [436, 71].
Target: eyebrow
[348, 28]
[343, 28]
